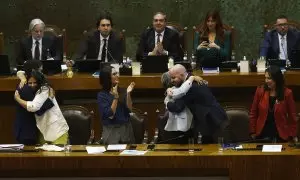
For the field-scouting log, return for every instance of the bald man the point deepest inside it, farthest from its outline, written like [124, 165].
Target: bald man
[208, 114]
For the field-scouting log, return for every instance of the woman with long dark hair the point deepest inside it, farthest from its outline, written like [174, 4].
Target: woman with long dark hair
[273, 112]
[51, 123]
[115, 104]
[213, 43]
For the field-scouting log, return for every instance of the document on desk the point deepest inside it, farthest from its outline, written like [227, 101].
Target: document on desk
[95, 149]
[21, 146]
[116, 147]
[272, 148]
[133, 152]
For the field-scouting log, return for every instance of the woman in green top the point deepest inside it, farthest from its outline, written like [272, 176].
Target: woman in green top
[213, 43]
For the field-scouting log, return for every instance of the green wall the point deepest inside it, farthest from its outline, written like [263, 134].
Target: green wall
[247, 16]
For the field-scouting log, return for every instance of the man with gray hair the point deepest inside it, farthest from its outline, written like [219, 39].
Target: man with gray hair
[208, 114]
[37, 46]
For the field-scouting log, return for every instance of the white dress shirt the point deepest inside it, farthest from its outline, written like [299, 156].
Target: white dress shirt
[52, 123]
[101, 46]
[33, 48]
[282, 47]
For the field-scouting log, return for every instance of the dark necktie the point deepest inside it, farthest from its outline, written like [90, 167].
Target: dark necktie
[37, 51]
[103, 55]
[158, 38]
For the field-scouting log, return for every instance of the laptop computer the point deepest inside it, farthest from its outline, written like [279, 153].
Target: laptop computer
[89, 65]
[51, 66]
[4, 65]
[277, 62]
[155, 64]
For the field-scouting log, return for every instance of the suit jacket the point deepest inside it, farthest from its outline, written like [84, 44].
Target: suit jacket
[90, 47]
[284, 113]
[270, 46]
[208, 113]
[170, 43]
[48, 42]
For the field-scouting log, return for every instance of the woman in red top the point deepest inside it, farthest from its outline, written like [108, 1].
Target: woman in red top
[273, 112]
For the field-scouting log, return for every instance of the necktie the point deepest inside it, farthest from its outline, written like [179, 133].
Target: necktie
[103, 55]
[158, 38]
[37, 51]
[283, 46]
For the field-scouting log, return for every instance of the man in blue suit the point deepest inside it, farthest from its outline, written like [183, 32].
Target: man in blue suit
[208, 114]
[280, 42]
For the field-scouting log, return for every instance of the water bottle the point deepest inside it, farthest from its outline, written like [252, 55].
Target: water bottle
[199, 138]
[193, 61]
[67, 146]
[48, 54]
[185, 58]
[145, 140]
[171, 62]
[233, 55]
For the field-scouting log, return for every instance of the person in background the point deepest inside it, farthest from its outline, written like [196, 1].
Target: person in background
[159, 40]
[115, 104]
[280, 42]
[273, 112]
[37, 46]
[103, 44]
[213, 45]
[51, 123]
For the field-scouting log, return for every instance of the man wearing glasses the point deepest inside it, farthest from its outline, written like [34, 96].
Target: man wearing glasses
[159, 40]
[280, 42]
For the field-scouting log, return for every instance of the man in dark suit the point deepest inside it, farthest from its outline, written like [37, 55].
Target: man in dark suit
[280, 43]
[102, 44]
[159, 40]
[37, 46]
[208, 114]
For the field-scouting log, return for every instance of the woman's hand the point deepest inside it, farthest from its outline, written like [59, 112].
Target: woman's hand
[17, 95]
[169, 92]
[22, 83]
[115, 91]
[213, 45]
[130, 87]
[204, 44]
[51, 93]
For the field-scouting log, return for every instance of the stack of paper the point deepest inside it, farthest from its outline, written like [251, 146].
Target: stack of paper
[133, 152]
[50, 147]
[11, 147]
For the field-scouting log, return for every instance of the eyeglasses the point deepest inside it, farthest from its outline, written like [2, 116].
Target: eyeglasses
[103, 25]
[158, 20]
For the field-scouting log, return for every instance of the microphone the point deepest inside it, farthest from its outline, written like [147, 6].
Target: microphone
[152, 146]
[108, 52]
[235, 146]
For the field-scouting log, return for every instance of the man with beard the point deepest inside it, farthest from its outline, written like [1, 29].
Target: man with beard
[159, 40]
[208, 114]
[280, 42]
[102, 44]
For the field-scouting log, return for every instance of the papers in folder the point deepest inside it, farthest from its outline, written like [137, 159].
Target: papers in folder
[210, 70]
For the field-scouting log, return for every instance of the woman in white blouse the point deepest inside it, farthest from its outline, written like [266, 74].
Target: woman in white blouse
[51, 124]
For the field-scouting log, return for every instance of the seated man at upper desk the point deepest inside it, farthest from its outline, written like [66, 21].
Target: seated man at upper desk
[37, 46]
[102, 44]
[159, 40]
[280, 42]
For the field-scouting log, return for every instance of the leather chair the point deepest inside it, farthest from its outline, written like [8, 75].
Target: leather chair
[198, 30]
[79, 120]
[161, 123]
[182, 34]
[1, 43]
[138, 121]
[237, 127]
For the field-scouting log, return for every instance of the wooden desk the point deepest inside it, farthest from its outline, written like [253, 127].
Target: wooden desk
[238, 165]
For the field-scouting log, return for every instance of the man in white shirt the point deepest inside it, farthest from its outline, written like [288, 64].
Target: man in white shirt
[103, 44]
[159, 40]
[280, 42]
[37, 46]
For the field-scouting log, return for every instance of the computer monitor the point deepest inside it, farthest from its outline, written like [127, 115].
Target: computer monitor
[4, 65]
[51, 66]
[155, 64]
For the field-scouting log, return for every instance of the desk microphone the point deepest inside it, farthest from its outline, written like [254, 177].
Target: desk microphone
[152, 146]
[113, 59]
[252, 141]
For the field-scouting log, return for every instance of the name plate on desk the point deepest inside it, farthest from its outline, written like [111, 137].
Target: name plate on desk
[272, 148]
